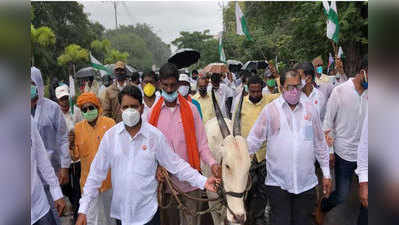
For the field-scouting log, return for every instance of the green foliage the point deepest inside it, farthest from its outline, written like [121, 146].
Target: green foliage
[73, 54]
[43, 36]
[143, 46]
[115, 55]
[71, 26]
[296, 30]
[100, 49]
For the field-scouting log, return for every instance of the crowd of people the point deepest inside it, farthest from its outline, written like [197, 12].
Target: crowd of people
[107, 153]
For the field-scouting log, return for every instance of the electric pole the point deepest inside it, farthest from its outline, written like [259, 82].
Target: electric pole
[116, 18]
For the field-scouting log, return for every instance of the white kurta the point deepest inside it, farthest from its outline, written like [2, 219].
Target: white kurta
[294, 140]
[133, 162]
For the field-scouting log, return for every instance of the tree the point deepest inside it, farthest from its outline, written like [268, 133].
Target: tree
[70, 25]
[73, 55]
[100, 49]
[115, 55]
[41, 37]
[296, 30]
[144, 47]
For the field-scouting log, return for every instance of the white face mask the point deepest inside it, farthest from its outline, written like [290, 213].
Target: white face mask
[130, 117]
[303, 82]
[337, 76]
[183, 90]
[121, 86]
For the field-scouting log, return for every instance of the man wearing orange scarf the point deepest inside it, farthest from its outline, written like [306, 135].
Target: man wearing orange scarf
[180, 122]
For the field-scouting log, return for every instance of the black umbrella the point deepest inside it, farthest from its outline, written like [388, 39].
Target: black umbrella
[255, 65]
[86, 72]
[184, 57]
[234, 65]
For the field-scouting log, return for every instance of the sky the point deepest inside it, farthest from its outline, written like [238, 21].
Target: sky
[166, 18]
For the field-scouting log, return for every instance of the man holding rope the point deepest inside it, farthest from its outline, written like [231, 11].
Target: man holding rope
[132, 149]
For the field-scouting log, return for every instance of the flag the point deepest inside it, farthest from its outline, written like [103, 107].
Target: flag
[277, 64]
[241, 24]
[97, 65]
[222, 56]
[332, 22]
[340, 53]
[330, 63]
[71, 92]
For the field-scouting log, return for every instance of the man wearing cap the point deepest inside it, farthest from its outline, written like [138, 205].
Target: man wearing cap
[72, 116]
[88, 135]
[184, 90]
[111, 105]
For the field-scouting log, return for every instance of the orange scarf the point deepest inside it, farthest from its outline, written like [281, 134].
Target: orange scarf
[188, 125]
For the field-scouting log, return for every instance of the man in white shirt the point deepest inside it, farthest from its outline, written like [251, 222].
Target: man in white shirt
[224, 95]
[292, 129]
[346, 111]
[363, 172]
[309, 91]
[133, 149]
[72, 189]
[40, 208]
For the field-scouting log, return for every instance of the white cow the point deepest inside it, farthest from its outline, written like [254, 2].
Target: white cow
[232, 151]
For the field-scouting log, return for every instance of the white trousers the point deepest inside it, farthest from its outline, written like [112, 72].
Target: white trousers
[100, 210]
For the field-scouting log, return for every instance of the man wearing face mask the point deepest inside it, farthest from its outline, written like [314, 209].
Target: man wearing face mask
[181, 123]
[184, 90]
[224, 94]
[132, 150]
[51, 124]
[252, 106]
[292, 129]
[204, 100]
[310, 92]
[110, 104]
[150, 96]
[346, 111]
[88, 135]
[322, 81]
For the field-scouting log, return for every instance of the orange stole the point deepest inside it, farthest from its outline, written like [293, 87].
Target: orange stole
[189, 129]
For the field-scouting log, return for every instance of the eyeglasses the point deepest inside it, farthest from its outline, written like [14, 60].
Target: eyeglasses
[292, 87]
[89, 108]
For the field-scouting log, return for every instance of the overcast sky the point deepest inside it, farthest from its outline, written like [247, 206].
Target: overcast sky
[166, 18]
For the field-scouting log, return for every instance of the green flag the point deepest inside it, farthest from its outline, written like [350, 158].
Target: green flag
[97, 65]
[241, 23]
[222, 56]
[332, 22]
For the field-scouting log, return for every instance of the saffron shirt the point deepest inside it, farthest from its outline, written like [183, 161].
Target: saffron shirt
[87, 140]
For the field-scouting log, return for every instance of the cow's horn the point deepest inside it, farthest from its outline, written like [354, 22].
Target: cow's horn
[237, 118]
[222, 124]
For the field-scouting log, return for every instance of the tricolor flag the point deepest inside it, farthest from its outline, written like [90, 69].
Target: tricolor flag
[332, 22]
[96, 64]
[222, 56]
[242, 27]
[330, 63]
[340, 53]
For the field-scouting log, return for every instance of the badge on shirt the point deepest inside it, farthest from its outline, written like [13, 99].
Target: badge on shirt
[144, 147]
[315, 102]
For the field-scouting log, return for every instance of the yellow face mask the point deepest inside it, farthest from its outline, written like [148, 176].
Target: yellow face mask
[149, 90]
